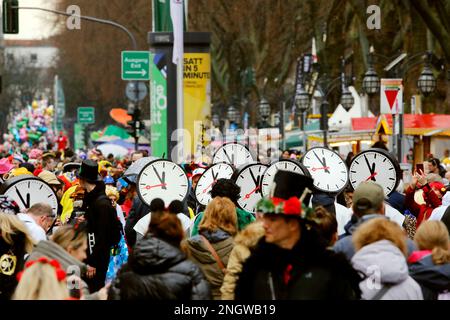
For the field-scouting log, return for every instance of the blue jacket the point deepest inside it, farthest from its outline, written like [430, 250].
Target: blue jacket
[433, 279]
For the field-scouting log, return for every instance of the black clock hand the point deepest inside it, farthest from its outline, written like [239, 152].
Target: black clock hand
[231, 160]
[26, 204]
[162, 180]
[324, 163]
[368, 165]
[214, 175]
[320, 160]
[253, 177]
[373, 172]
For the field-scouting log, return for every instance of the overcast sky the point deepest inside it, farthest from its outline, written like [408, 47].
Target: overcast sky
[34, 24]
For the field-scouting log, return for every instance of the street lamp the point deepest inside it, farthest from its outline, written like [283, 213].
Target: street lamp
[233, 115]
[371, 82]
[264, 110]
[426, 82]
[347, 100]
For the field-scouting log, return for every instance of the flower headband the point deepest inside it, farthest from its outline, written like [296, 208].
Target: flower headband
[291, 207]
[60, 273]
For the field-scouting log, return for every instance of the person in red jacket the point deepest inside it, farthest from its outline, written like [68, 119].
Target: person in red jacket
[432, 195]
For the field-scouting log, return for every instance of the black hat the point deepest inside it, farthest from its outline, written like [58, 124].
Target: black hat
[71, 166]
[287, 196]
[89, 171]
[290, 184]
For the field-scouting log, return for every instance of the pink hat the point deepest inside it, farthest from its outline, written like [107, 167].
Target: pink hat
[5, 166]
[35, 154]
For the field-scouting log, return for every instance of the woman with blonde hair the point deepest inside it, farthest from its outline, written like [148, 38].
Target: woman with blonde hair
[211, 248]
[42, 279]
[381, 258]
[15, 243]
[68, 246]
[430, 266]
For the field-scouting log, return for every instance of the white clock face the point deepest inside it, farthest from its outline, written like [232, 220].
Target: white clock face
[234, 154]
[269, 175]
[249, 179]
[374, 166]
[162, 179]
[329, 171]
[31, 191]
[209, 177]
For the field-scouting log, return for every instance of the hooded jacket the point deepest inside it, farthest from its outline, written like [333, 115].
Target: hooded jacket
[384, 264]
[306, 272]
[433, 279]
[156, 270]
[345, 244]
[68, 263]
[244, 242]
[199, 253]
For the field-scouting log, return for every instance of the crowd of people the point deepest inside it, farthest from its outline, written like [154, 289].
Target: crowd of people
[106, 243]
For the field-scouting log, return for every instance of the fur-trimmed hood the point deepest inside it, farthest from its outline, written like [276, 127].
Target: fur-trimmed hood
[250, 236]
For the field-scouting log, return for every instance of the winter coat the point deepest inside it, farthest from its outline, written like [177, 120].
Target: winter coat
[244, 218]
[384, 264]
[433, 279]
[8, 253]
[306, 272]
[156, 270]
[68, 263]
[138, 210]
[244, 242]
[422, 211]
[199, 253]
[102, 220]
[345, 244]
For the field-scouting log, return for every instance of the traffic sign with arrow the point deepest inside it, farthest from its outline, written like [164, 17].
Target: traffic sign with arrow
[135, 65]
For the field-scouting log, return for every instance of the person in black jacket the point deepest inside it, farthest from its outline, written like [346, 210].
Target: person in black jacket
[157, 269]
[102, 224]
[303, 269]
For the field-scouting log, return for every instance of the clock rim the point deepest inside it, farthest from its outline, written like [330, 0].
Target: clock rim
[237, 173]
[219, 163]
[324, 190]
[13, 181]
[228, 143]
[145, 167]
[393, 160]
[296, 162]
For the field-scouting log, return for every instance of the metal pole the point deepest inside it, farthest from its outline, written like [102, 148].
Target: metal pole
[93, 19]
[400, 138]
[394, 135]
[324, 111]
[283, 142]
[304, 131]
[180, 110]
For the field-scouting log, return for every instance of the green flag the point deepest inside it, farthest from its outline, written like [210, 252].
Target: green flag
[161, 16]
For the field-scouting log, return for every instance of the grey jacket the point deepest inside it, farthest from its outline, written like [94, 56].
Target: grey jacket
[345, 244]
[384, 264]
[71, 265]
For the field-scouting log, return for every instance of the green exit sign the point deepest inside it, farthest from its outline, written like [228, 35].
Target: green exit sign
[86, 115]
[135, 65]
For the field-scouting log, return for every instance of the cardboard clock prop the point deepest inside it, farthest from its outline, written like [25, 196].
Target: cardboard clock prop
[248, 178]
[162, 179]
[375, 165]
[329, 171]
[27, 190]
[208, 178]
[286, 165]
[233, 153]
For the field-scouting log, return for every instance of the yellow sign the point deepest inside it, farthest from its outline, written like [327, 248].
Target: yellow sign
[197, 95]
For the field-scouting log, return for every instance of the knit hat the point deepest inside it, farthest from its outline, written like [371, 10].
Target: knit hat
[35, 154]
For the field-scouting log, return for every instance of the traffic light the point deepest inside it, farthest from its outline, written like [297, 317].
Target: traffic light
[131, 129]
[10, 16]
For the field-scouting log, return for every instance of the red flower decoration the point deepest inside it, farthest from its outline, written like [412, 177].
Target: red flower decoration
[277, 201]
[60, 273]
[292, 206]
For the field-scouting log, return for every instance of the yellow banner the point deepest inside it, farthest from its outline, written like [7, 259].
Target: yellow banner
[197, 96]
